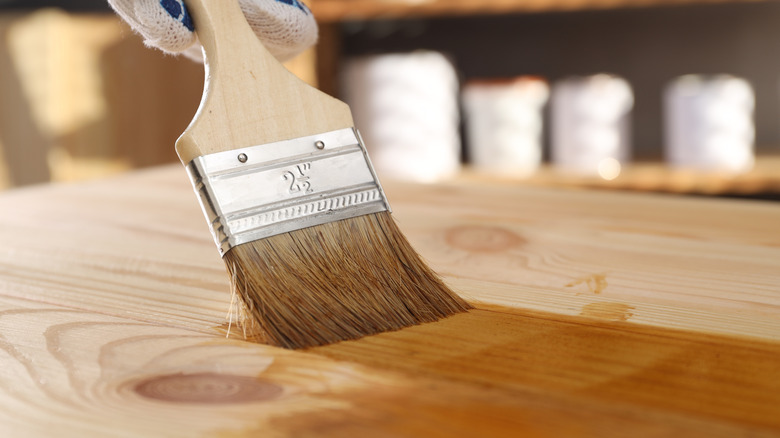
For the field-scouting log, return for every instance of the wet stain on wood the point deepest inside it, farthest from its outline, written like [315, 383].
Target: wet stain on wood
[477, 238]
[608, 311]
[607, 360]
[596, 283]
[207, 388]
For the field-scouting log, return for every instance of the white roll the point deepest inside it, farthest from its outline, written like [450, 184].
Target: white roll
[590, 119]
[708, 123]
[504, 124]
[406, 108]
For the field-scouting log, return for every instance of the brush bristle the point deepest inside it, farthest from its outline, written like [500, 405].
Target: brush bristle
[338, 281]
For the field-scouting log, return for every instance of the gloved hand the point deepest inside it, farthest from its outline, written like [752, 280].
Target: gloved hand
[286, 27]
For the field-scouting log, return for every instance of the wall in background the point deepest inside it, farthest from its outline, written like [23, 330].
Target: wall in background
[81, 97]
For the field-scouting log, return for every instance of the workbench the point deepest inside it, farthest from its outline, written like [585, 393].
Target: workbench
[598, 313]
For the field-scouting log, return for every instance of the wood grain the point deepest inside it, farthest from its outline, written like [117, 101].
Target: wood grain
[728, 379]
[599, 314]
[89, 374]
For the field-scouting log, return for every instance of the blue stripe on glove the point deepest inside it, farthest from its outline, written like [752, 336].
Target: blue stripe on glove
[177, 10]
[295, 3]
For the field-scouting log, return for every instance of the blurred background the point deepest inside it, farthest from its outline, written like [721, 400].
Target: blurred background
[677, 96]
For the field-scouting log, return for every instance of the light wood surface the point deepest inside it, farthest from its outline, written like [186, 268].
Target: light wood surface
[249, 98]
[599, 314]
[345, 10]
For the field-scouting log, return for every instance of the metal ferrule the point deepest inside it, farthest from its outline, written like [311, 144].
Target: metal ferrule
[260, 191]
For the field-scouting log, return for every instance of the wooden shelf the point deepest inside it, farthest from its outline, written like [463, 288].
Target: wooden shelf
[763, 180]
[328, 11]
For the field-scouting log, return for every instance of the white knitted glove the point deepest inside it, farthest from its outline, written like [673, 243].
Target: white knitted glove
[286, 27]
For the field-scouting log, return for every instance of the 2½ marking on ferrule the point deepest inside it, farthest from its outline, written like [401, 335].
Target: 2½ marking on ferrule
[299, 180]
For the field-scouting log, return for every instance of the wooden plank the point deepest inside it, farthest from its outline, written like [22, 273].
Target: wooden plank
[141, 252]
[73, 373]
[690, 263]
[727, 379]
[87, 373]
[680, 262]
[641, 313]
[344, 10]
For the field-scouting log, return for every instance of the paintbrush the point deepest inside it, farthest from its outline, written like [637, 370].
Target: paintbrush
[294, 206]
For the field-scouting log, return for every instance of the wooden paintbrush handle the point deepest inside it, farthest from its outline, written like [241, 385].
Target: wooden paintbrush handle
[249, 97]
